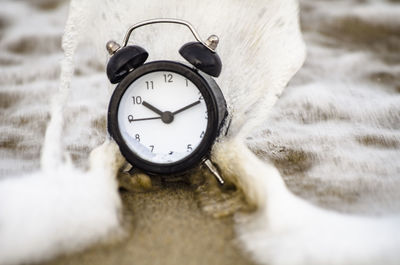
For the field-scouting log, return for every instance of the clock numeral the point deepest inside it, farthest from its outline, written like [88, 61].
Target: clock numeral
[202, 134]
[151, 148]
[206, 117]
[189, 148]
[137, 100]
[149, 85]
[168, 78]
[130, 118]
[187, 82]
[137, 137]
[171, 152]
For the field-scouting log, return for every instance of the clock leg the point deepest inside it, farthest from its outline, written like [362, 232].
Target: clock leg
[134, 180]
[214, 171]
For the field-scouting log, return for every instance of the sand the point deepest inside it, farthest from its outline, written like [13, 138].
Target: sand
[169, 225]
[178, 222]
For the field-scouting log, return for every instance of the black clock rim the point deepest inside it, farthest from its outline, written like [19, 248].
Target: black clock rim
[204, 146]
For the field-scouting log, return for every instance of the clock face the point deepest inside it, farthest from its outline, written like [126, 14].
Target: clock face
[162, 117]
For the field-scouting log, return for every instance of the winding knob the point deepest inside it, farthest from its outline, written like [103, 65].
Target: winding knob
[212, 42]
[112, 47]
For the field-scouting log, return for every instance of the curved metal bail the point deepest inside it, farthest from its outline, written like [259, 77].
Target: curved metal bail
[211, 45]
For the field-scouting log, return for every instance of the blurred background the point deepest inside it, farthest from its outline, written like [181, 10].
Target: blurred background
[334, 135]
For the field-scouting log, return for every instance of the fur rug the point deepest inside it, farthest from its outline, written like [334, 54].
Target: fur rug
[317, 126]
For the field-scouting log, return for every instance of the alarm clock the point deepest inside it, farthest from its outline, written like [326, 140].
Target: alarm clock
[165, 115]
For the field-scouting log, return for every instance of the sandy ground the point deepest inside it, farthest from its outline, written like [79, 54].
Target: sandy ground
[169, 225]
[182, 223]
[174, 223]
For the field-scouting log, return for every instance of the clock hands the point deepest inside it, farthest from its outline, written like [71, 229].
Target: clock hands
[186, 107]
[151, 107]
[166, 116]
[145, 119]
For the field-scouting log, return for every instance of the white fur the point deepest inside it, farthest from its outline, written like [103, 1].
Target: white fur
[62, 209]
[59, 210]
[288, 230]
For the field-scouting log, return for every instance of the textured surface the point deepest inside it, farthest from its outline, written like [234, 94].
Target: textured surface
[166, 226]
[333, 134]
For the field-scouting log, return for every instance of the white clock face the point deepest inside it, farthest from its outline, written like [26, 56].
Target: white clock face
[162, 117]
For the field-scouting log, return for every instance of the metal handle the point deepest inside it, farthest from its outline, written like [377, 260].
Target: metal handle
[211, 42]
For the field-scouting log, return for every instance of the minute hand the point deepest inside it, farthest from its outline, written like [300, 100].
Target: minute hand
[186, 107]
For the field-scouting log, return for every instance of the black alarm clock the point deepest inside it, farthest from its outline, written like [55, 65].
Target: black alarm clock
[165, 115]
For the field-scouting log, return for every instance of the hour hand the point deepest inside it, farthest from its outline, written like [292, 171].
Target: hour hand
[151, 107]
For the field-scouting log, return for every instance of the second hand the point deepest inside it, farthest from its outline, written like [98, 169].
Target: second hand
[145, 119]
